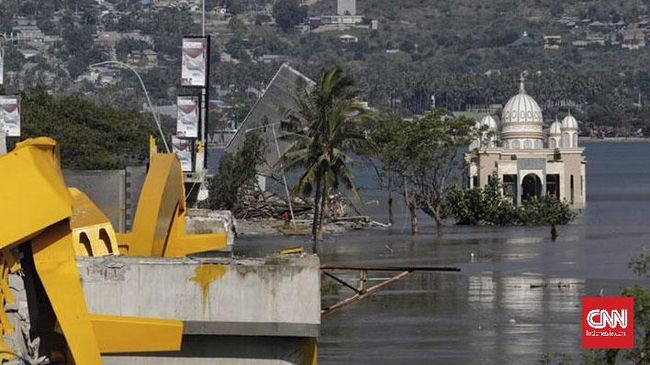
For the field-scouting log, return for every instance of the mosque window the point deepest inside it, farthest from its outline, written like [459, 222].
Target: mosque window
[510, 187]
[516, 144]
[551, 143]
[575, 140]
[538, 144]
[553, 185]
[572, 190]
[528, 144]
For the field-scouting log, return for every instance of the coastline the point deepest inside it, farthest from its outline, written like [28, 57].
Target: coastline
[614, 139]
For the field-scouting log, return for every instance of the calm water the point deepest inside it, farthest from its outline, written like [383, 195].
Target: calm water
[488, 313]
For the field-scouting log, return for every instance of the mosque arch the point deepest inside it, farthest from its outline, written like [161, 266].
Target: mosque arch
[531, 187]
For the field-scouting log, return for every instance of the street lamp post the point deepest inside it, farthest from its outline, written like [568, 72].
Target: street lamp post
[146, 94]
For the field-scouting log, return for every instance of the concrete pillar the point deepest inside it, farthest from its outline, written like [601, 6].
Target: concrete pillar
[3, 141]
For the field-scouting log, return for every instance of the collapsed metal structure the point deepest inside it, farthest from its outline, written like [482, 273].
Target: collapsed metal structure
[45, 225]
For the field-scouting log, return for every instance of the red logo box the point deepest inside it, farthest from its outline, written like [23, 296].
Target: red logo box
[607, 322]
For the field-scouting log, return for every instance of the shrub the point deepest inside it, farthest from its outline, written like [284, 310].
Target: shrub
[489, 206]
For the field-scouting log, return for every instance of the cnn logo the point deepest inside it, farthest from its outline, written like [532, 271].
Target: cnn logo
[599, 319]
[607, 322]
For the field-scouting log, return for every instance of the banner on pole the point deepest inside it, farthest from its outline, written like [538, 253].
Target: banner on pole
[187, 121]
[10, 115]
[194, 62]
[183, 150]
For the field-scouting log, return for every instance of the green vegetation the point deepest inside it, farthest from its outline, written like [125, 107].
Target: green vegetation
[90, 136]
[423, 157]
[289, 13]
[457, 50]
[489, 206]
[236, 175]
[325, 130]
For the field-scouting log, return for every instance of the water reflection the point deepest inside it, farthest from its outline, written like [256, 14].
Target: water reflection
[437, 316]
[518, 295]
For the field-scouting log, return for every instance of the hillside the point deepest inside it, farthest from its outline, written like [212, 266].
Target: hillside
[459, 51]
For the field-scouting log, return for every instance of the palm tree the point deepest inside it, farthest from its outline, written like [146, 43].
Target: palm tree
[324, 130]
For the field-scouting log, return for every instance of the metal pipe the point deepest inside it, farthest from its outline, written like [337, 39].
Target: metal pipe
[389, 268]
[146, 94]
[367, 293]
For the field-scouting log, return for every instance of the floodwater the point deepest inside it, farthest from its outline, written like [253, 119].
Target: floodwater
[518, 295]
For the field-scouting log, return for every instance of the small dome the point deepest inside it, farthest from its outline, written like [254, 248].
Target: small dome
[490, 122]
[569, 123]
[556, 129]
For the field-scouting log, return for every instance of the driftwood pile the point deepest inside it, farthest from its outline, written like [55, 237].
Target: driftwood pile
[270, 205]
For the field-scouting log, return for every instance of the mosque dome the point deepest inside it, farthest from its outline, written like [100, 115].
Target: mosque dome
[570, 123]
[556, 129]
[522, 121]
[490, 122]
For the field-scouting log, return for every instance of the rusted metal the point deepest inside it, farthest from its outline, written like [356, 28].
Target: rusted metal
[367, 293]
[362, 291]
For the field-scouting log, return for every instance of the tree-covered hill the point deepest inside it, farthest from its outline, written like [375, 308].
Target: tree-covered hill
[457, 50]
[89, 136]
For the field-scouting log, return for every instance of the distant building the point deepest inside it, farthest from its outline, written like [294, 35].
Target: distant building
[348, 39]
[144, 59]
[110, 39]
[596, 39]
[633, 39]
[552, 41]
[346, 7]
[528, 162]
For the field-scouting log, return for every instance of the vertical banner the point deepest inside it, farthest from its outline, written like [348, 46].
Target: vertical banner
[187, 120]
[183, 150]
[10, 115]
[194, 62]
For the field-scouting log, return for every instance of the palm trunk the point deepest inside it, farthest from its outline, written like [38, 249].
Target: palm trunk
[323, 210]
[317, 203]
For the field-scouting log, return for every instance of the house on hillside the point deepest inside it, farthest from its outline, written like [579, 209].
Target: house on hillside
[552, 41]
[633, 38]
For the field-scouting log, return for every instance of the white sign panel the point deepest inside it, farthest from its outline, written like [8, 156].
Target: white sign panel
[194, 62]
[183, 150]
[10, 115]
[187, 121]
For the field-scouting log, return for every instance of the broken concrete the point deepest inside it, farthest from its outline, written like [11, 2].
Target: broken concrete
[252, 311]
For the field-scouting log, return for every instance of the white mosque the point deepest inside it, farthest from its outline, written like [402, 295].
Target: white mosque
[529, 161]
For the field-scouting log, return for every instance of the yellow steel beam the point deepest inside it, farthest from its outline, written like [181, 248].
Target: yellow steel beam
[32, 191]
[159, 224]
[131, 334]
[54, 258]
[92, 231]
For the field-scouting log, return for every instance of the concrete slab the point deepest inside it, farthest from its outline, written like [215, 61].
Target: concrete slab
[235, 311]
